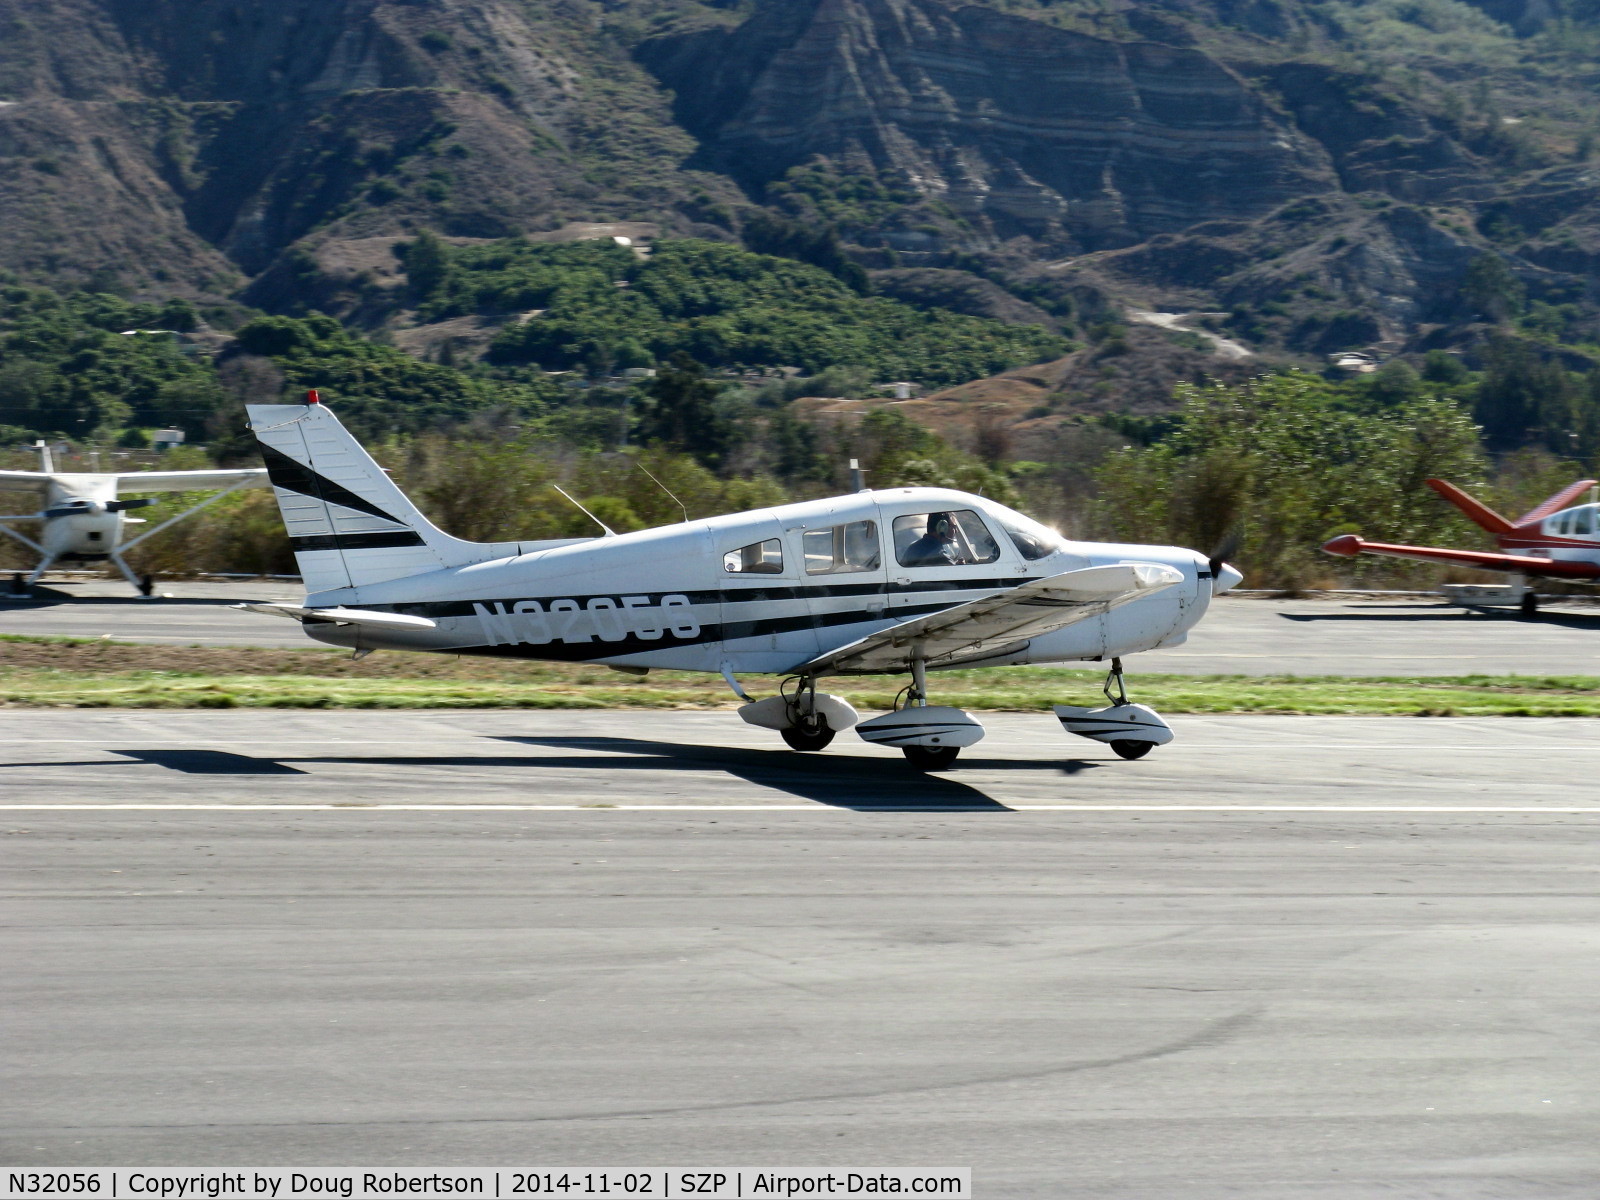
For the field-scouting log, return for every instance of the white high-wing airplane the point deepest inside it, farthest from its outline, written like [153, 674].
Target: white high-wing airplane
[901, 580]
[84, 518]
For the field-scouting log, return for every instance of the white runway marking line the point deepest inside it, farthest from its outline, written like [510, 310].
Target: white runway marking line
[933, 807]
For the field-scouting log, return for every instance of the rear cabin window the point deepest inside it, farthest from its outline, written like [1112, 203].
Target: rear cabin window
[1583, 522]
[841, 549]
[758, 558]
[943, 539]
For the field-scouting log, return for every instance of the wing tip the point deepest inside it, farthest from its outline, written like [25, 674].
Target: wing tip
[1345, 546]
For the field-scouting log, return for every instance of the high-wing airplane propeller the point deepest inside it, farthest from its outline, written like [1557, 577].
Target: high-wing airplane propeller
[1550, 541]
[82, 515]
[899, 580]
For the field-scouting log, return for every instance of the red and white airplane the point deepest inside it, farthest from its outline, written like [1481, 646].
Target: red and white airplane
[1553, 541]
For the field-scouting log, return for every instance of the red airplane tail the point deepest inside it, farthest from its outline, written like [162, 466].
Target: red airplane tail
[1556, 503]
[1487, 518]
[1480, 513]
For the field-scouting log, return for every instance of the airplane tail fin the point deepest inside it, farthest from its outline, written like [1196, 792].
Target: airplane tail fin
[350, 525]
[1480, 513]
[1556, 503]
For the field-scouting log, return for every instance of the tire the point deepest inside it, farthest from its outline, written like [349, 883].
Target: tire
[1529, 605]
[1131, 750]
[801, 738]
[930, 758]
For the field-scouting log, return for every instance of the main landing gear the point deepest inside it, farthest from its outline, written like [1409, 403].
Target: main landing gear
[805, 718]
[1131, 730]
[810, 730]
[929, 735]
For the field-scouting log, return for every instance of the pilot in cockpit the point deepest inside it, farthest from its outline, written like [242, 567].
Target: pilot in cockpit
[937, 547]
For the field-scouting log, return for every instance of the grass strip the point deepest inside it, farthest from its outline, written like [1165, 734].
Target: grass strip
[997, 690]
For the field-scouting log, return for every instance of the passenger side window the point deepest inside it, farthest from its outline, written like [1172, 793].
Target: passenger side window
[943, 539]
[759, 558]
[1583, 522]
[841, 549]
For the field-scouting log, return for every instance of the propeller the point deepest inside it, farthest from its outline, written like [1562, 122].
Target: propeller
[1225, 549]
[78, 508]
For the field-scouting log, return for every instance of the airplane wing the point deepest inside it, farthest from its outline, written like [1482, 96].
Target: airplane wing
[188, 481]
[994, 622]
[1350, 545]
[17, 481]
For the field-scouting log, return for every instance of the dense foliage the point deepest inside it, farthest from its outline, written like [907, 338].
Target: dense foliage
[1289, 461]
[378, 388]
[599, 306]
[71, 364]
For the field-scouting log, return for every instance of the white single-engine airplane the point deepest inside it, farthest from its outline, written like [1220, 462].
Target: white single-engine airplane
[891, 581]
[84, 519]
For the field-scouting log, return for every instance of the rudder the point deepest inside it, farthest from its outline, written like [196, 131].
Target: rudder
[348, 523]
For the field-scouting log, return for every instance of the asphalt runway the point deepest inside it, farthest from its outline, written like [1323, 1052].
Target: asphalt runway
[1280, 958]
[1385, 635]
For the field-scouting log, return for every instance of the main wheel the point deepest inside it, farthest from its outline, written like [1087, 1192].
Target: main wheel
[930, 758]
[1130, 749]
[801, 738]
[1529, 605]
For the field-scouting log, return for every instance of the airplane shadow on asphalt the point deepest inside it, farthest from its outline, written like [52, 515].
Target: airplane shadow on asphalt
[47, 597]
[861, 784]
[1562, 620]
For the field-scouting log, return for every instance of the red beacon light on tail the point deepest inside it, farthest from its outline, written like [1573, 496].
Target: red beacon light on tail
[312, 397]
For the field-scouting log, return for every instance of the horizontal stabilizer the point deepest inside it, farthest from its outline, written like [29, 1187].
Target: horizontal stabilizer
[341, 616]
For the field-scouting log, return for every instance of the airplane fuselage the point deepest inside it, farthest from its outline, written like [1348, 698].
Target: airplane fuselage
[762, 592]
[89, 533]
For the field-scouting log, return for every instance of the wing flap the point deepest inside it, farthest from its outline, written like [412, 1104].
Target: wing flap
[340, 616]
[1001, 620]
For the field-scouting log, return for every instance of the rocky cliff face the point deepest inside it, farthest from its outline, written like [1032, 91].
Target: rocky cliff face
[1254, 155]
[186, 146]
[1019, 127]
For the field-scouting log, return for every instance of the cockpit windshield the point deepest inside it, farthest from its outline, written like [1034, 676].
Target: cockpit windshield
[1032, 540]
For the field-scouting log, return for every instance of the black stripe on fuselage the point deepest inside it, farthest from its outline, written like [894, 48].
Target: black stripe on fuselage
[385, 540]
[436, 609]
[730, 632]
[296, 477]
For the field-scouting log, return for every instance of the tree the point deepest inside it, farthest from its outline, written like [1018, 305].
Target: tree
[683, 412]
[1287, 459]
[1491, 290]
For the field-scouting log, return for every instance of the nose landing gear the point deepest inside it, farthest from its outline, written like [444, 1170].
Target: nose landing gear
[1131, 730]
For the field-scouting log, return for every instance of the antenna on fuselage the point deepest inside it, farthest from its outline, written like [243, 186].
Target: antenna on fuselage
[858, 477]
[609, 532]
[46, 461]
[665, 489]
